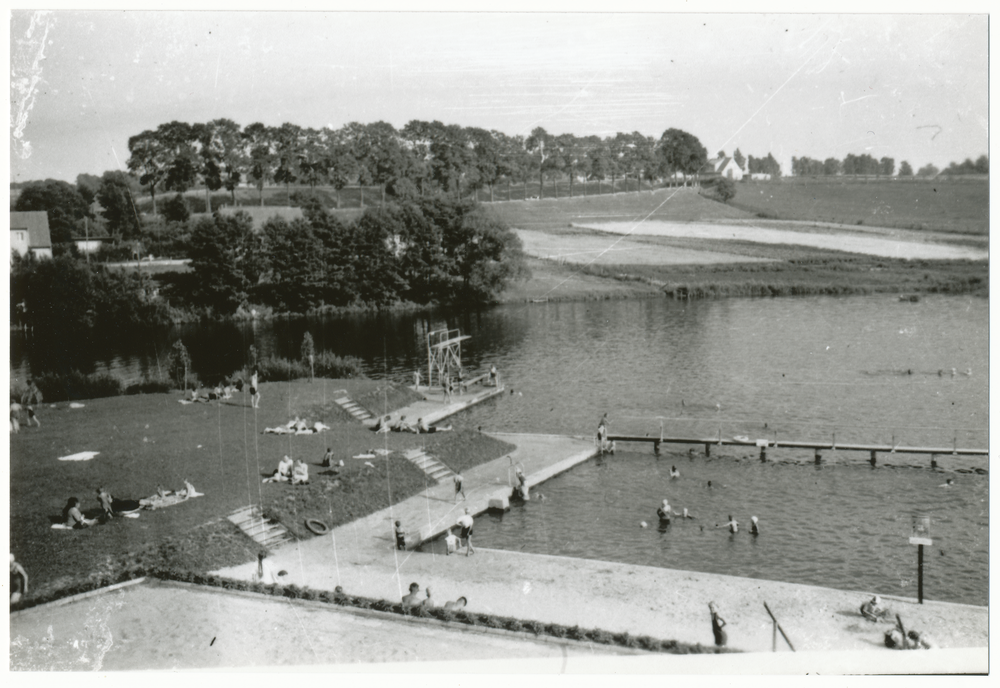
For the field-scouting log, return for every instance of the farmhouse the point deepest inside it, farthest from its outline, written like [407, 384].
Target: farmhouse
[29, 232]
[723, 166]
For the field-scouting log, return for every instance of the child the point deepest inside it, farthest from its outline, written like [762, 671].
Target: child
[400, 536]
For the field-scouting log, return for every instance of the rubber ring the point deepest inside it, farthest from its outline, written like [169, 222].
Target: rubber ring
[317, 527]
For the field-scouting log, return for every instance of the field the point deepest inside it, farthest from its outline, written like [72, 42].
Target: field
[948, 206]
[151, 440]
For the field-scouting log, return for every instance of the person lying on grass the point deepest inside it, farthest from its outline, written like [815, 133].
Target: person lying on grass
[456, 604]
[283, 473]
[112, 506]
[423, 427]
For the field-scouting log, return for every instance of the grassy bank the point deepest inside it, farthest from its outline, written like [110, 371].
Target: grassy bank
[947, 206]
[151, 440]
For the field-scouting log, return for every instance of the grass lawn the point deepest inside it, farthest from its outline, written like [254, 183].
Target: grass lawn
[950, 206]
[151, 440]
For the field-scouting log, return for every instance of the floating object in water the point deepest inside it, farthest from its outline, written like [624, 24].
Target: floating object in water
[80, 456]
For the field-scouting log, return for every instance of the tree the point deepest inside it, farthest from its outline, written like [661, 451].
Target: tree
[681, 152]
[115, 197]
[886, 166]
[539, 146]
[87, 185]
[740, 160]
[725, 189]
[831, 167]
[63, 203]
[928, 170]
[148, 161]
[983, 164]
[487, 156]
[261, 160]
[287, 146]
[313, 157]
[295, 280]
[309, 354]
[219, 142]
[905, 170]
[179, 141]
[180, 363]
[176, 210]
[599, 156]
[378, 152]
[227, 261]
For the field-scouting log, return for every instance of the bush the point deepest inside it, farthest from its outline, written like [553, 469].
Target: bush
[176, 210]
[149, 387]
[77, 385]
[331, 365]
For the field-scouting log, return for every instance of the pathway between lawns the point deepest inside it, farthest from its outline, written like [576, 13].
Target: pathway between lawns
[641, 600]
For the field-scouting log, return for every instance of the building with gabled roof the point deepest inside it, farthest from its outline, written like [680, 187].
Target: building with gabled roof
[722, 166]
[29, 233]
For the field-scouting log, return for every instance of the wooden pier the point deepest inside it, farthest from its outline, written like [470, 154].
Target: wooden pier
[817, 446]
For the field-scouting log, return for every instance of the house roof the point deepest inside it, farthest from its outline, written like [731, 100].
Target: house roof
[36, 222]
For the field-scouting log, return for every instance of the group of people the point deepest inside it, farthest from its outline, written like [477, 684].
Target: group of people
[416, 599]
[452, 541]
[421, 427]
[288, 471]
[111, 506]
[225, 390]
[602, 436]
[896, 638]
[31, 398]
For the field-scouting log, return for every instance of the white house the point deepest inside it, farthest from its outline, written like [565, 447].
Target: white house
[29, 232]
[723, 166]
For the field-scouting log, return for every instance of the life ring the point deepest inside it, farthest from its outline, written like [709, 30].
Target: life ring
[317, 527]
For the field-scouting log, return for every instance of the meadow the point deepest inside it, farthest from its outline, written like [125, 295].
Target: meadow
[150, 440]
[960, 206]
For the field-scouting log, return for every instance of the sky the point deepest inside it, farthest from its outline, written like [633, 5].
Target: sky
[911, 87]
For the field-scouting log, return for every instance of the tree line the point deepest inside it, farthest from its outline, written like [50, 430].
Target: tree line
[866, 164]
[422, 158]
[430, 250]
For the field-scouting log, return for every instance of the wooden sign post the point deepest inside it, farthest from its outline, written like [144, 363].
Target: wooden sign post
[920, 535]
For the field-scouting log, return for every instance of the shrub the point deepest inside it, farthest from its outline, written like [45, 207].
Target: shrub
[77, 385]
[149, 387]
[176, 210]
[331, 365]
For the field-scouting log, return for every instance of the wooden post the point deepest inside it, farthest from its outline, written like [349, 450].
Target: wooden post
[763, 454]
[656, 447]
[817, 457]
[871, 460]
[708, 450]
[920, 574]
[933, 460]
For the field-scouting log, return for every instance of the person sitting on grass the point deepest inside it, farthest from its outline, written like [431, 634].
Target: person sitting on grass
[112, 506]
[874, 611]
[300, 473]
[423, 427]
[456, 605]
[215, 393]
[413, 599]
[450, 542]
[18, 581]
[383, 424]
[283, 473]
[402, 426]
[327, 458]
[73, 517]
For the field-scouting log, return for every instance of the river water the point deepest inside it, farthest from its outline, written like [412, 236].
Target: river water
[866, 369]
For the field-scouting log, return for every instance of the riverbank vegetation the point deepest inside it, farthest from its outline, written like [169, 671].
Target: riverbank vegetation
[151, 440]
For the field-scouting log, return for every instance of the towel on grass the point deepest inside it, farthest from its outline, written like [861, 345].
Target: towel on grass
[365, 456]
[80, 456]
[76, 405]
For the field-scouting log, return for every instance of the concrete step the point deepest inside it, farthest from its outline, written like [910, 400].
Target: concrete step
[358, 412]
[250, 520]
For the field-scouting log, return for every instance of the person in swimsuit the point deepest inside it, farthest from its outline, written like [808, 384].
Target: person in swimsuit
[400, 535]
[456, 605]
[733, 525]
[413, 599]
[754, 528]
[450, 542]
[18, 581]
[457, 479]
[665, 512]
[674, 473]
[254, 391]
[465, 523]
[718, 623]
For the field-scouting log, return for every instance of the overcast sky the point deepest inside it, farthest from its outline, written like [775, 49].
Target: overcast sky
[912, 87]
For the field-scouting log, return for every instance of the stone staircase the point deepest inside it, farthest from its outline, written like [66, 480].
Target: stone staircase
[357, 412]
[429, 465]
[251, 521]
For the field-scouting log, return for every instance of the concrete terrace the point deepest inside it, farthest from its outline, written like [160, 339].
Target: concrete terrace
[663, 603]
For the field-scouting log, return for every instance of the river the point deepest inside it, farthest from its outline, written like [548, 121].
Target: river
[860, 368]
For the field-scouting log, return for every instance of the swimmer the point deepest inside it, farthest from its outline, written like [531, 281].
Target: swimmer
[754, 528]
[733, 525]
[686, 514]
[665, 512]
[674, 473]
[948, 483]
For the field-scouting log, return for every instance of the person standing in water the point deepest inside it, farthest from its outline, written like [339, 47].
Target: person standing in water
[754, 528]
[733, 525]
